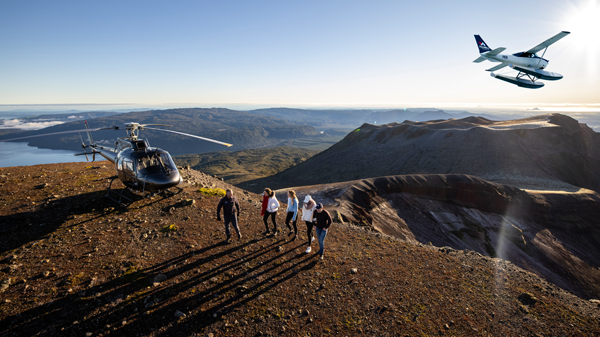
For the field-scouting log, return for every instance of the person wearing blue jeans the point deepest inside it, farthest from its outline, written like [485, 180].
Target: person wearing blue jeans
[230, 206]
[322, 221]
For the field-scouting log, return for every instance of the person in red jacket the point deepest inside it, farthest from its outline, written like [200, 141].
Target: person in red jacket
[265, 203]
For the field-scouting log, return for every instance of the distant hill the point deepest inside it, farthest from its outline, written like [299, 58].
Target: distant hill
[239, 166]
[544, 152]
[242, 129]
[344, 118]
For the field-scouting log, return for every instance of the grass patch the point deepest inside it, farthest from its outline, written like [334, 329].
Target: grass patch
[132, 274]
[76, 279]
[169, 228]
[218, 192]
[351, 321]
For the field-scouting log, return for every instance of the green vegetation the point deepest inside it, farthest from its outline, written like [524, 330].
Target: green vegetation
[239, 166]
[218, 192]
[169, 228]
[132, 274]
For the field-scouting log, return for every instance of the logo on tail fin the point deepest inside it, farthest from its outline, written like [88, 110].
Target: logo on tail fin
[483, 47]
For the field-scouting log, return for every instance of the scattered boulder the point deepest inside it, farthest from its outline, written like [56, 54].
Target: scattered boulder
[354, 270]
[338, 217]
[9, 258]
[188, 202]
[5, 284]
[160, 278]
[527, 299]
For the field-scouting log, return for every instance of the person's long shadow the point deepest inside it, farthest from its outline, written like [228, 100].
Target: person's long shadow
[106, 306]
[46, 217]
[29, 226]
[226, 296]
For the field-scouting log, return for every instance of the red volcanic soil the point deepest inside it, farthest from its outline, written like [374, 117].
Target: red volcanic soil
[75, 264]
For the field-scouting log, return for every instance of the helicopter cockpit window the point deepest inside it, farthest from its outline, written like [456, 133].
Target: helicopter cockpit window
[148, 165]
[128, 165]
[167, 161]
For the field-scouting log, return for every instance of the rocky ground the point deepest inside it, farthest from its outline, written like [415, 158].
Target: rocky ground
[75, 264]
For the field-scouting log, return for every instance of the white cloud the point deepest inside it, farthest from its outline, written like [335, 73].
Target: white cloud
[17, 124]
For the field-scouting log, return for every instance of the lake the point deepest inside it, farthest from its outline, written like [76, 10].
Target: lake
[19, 154]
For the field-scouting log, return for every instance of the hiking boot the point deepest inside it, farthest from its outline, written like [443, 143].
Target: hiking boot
[295, 238]
[267, 232]
[321, 257]
[275, 233]
[239, 236]
[308, 250]
[312, 239]
[228, 240]
[291, 232]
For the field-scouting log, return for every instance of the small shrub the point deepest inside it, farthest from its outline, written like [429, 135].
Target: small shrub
[169, 228]
[132, 274]
[351, 321]
[219, 192]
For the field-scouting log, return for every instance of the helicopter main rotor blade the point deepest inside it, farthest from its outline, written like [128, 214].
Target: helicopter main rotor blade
[56, 133]
[144, 125]
[187, 134]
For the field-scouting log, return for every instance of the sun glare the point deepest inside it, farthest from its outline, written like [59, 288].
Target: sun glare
[583, 21]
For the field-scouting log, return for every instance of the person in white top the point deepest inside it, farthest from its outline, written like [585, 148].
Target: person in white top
[272, 207]
[307, 216]
[292, 212]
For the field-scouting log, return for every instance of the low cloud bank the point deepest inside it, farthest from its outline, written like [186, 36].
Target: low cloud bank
[17, 124]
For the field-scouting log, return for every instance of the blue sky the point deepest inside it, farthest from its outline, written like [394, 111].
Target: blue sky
[338, 53]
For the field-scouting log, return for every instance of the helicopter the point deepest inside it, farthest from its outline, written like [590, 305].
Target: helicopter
[141, 168]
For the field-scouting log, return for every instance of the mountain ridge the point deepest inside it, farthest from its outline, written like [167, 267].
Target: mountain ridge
[544, 152]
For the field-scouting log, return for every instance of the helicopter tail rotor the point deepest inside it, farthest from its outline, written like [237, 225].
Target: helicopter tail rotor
[83, 146]
[89, 134]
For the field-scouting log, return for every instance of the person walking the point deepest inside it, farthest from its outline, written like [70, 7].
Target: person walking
[230, 206]
[292, 212]
[307, 216]
[272, 207]
[265, 200]
[322, 220]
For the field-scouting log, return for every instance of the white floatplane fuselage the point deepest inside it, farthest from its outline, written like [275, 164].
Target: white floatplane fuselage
[528, 63]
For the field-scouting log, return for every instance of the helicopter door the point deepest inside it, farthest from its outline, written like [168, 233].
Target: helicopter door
[129, 170]
[119, 167]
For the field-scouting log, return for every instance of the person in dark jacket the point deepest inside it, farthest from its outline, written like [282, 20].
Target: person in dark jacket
[322, 221]
[230, 206]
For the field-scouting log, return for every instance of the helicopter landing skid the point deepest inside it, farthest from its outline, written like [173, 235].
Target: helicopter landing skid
[168, 191]
[118, 196]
